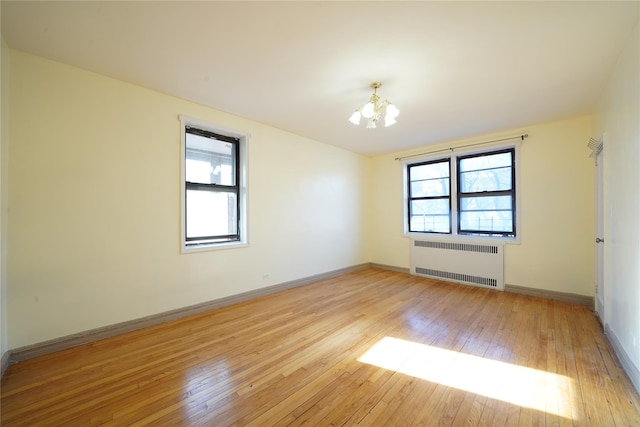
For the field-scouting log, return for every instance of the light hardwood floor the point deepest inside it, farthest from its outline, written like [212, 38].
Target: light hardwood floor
[369, 348]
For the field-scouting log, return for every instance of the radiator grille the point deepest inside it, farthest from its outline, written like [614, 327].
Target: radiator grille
[485, 281]
[463, 262]
[467, 247]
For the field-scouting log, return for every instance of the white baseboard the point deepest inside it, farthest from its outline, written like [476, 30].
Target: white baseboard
[629, 367]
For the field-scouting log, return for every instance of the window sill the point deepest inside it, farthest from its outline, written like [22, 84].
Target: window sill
[463, 238]
[213, 247]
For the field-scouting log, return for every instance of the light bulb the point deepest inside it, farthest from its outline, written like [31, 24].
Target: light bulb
[368, 110]
[392, 111]
[371, 124]
[355, 118]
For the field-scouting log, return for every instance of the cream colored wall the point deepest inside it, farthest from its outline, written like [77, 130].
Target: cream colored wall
[557, 249]
[618, 117]
[557, 214]
[94, 196]
[4, 173]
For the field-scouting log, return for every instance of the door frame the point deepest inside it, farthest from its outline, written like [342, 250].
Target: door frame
[600, 291]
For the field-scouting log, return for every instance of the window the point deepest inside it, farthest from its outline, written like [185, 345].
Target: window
[430, 197]
[486, 194]
[213, 191]
[484, 184]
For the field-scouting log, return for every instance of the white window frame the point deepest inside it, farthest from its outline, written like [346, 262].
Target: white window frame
[242, 165]
[452, 156]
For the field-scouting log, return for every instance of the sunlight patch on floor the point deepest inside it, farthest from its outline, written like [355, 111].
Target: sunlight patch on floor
[519, 385]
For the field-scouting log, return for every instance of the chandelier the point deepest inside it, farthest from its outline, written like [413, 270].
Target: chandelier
[374, 110]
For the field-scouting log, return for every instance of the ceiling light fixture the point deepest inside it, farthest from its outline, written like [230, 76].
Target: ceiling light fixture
[373, 110]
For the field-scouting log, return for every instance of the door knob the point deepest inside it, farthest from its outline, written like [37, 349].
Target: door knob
[599, 240]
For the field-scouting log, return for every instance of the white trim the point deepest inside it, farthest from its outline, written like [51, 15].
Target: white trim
[600, 250]
[243, 195]
[453, 179]
[462, 238]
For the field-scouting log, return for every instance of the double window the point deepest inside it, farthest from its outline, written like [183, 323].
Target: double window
[212, 188]
[472, 194]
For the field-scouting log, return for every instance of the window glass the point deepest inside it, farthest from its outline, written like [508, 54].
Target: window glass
[209, 161]
[212, 198]
[431, 215]
[486, 196]
[490, 214]
[485, 173]
[430, 180]
[429, 197]
[485, 161]
[211, 214]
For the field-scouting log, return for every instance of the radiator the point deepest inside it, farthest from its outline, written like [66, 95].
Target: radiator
[468, 263]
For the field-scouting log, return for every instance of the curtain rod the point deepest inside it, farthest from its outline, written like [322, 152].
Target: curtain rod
[521, 137]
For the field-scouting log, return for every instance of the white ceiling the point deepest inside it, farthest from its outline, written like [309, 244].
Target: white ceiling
[454, 69]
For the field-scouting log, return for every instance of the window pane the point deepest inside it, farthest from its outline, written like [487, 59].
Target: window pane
[485, 203]
[486, 214]
[429, 171]
[485, 162]
[430, 223]
[430, 180]
[430, 188]
[211, 213]
[485, 180]
[209, 161]
[487, 221]
[492, 172]
[430, 216]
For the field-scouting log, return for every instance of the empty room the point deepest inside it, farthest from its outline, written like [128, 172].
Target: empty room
[320, 213]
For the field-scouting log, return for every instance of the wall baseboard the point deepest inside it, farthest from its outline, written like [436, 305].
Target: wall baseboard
[632, 370]
[522, 290]
[92, 335]
[557, 296]
[390, 268]
[599, 319]
[4, 362]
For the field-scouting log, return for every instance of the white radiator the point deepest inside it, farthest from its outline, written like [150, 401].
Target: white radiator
[469, 263]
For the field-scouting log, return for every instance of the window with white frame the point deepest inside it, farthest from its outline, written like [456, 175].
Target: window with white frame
[213, 188]
[469, 194]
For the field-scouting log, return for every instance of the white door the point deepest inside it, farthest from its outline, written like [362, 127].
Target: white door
[599, 238]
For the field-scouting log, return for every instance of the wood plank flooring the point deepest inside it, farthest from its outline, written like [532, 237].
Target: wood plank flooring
[369, 348]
